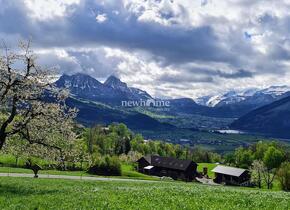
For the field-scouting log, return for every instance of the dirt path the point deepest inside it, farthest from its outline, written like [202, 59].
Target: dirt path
[206, 181]
[48, 176]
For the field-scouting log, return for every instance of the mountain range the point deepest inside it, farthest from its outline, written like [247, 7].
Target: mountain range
[112, 91]
[242, 102]
[253, 96]
[101, 103]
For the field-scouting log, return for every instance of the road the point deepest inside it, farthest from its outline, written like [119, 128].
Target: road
[48, 176]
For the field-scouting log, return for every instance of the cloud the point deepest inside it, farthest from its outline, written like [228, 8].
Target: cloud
[241, 73]
[49, 9]
[204, 46]
[185, 78]
[95, 61]
[124, 30]
[101, 18]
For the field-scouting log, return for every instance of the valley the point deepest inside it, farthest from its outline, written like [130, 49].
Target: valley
[183, 122]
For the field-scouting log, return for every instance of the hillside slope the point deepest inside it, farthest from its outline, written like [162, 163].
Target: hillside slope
[272, 119]
[91, 113]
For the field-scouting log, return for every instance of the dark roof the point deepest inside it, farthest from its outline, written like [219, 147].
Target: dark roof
[148, 158]
[168, 162]
[229, 170]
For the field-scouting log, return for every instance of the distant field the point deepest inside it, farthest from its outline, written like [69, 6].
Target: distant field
[29, 193]
[218, 142]
[209, 166]
[195, 121]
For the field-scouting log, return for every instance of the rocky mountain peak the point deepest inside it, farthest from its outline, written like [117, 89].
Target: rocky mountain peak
[115, 83]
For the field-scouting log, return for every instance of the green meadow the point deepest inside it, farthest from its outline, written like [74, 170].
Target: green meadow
[29, 193]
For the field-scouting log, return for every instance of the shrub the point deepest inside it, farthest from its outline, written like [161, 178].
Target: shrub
[108, 166]
[11, 161]
[284, 176]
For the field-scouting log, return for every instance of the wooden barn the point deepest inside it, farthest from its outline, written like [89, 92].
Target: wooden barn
[166, 166]
[231, 175]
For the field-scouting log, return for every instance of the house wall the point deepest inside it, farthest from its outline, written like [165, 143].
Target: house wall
[233, 180]
[174, 174]
[188, 175]
[191, 171]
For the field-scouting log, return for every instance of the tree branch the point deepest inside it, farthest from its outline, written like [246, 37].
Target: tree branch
[26, 135]
[11, 116]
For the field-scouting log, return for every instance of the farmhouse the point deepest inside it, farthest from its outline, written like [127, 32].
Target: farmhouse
[231, 175]
[167, 166]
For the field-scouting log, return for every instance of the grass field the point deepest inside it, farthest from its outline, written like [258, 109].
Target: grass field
[129, 171]
[29, 193]
[209, 166]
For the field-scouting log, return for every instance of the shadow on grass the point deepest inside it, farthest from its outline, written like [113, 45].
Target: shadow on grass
[20, 190]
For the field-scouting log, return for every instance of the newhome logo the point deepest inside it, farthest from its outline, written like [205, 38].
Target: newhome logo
[147, 103]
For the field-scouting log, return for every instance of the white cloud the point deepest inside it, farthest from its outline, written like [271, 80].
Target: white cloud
[101, 18]
[49, 9]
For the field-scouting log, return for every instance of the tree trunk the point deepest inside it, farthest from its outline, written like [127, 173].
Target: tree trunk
[62, 162]
[3, 134]
[259, 181]
[2, 139]
[16, 161]
[268, 179]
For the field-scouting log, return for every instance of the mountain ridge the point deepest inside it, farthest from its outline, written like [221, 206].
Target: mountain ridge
[272, 119]
[248, 95]
[112, 91]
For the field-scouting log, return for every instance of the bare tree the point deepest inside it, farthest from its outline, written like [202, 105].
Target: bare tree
[23, 87]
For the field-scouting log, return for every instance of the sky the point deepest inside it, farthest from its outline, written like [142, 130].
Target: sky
[170, 48]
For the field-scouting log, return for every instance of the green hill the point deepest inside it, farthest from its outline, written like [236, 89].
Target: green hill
[272, 119]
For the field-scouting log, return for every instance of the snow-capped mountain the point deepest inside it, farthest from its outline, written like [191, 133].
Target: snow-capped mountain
[254, 96]
[230, 97]
[276, 90]
[203, 100]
